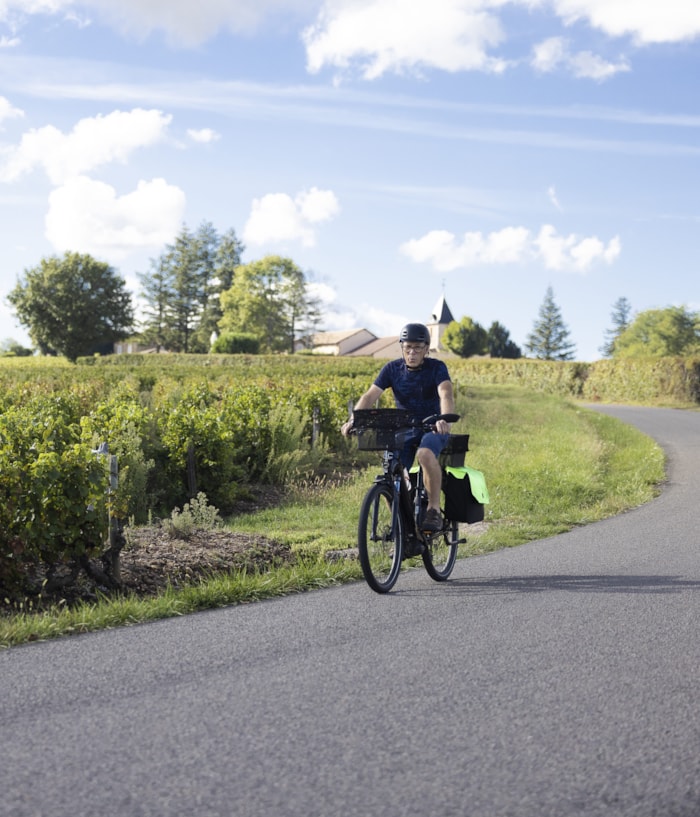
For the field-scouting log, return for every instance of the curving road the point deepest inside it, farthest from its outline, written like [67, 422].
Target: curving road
[554, 679]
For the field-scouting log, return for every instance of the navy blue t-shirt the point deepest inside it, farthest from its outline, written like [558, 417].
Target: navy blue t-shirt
[414, 390]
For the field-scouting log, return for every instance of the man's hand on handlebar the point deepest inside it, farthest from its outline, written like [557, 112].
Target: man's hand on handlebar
[442, 427]
[442, 422]
[347, 428]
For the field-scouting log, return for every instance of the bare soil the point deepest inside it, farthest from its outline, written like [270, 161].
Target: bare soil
[152, 559]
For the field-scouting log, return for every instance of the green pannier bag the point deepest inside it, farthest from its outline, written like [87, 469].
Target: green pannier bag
[465, 494]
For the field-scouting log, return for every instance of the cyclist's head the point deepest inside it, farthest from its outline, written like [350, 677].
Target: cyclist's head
[415, 342]
[415, 333]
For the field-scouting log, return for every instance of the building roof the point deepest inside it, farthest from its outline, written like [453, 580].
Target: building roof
[441, 312]
[330, 338]
[375, 348]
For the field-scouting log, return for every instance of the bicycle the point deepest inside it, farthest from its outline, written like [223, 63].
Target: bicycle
[389, 528]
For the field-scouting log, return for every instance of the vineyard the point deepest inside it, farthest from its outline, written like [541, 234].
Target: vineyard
[185, 426]
[178, 427]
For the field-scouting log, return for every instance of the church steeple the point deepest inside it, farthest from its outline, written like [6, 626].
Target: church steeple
[438, 322]
[441, 312]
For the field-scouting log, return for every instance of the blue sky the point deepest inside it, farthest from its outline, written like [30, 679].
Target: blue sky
[394, 149]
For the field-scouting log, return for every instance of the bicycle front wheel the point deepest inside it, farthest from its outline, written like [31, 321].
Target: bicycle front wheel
[440, 553]
[380, 545]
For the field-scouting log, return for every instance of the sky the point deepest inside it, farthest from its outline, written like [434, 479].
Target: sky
[395, 150]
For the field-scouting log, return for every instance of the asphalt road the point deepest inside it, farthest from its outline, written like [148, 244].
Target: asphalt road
[554, 679]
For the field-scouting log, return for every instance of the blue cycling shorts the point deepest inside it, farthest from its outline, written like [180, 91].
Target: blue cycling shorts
[432, 440]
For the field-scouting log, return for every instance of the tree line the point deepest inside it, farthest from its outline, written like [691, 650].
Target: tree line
[548, 340]
[199, 297]
[673, 331]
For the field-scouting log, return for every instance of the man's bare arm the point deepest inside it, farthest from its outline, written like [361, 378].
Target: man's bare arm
[368, 399]
[447, 405]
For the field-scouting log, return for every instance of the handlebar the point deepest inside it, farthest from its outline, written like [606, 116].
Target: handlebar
[434, 418]
[396, 420]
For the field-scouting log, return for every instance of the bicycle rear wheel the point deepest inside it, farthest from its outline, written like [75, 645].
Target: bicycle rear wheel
[440, 553]
[379, 546]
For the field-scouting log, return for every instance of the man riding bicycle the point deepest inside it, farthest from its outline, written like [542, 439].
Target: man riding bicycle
[422, 386]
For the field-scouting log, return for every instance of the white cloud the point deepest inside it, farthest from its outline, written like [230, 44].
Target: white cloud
[92, 142]
[403, 36]
[8, 110]
[553, 197]
[183, 22]
[204, 136]
[325, 293]
[572, 252]
[446, 253]
[381, 322]
[549, 54]
[647, 21]
[338, 317]
[382, 35]
[88, 216]
[278, 217]
[591, 66]
[318, 205]
[512, 245]
[553, 54]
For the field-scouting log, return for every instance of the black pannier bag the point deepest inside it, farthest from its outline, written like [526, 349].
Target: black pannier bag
[464, 488]
[465, 494]
[453, 453]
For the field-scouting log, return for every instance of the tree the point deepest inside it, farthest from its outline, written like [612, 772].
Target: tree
[499, 344]
[620, 317]
[465, 337]
[549, 339]
[270, 298]
[11, 348]
[225, 254]
[157, 295]
[187, 290]
[73, 306]
[182, 290]
[669, 332]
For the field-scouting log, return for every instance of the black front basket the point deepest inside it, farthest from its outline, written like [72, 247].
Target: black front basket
[379, 429]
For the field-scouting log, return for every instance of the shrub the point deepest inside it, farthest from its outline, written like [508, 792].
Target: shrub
[290, 450]
[197, 514]
[236, 343]
[125, 426]
[53, 501]
[201, 448]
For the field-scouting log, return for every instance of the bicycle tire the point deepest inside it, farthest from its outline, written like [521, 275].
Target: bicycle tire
[379, 547]
[440, 553]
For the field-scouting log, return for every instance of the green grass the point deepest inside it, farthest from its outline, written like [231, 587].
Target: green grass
[218, 591]
[550, 465]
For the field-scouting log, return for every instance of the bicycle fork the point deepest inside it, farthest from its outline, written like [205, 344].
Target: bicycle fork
[377, 533]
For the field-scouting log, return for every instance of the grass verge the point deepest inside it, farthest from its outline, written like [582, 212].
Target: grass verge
[550, 465]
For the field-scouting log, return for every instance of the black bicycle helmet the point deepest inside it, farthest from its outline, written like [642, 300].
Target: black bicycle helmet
[415, 333]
